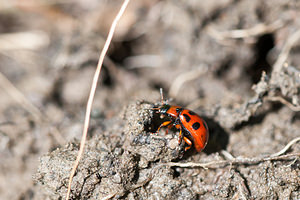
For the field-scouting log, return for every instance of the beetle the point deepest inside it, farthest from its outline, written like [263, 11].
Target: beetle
[192, 128]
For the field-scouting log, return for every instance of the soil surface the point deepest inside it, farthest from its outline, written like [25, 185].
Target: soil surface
[235, 63]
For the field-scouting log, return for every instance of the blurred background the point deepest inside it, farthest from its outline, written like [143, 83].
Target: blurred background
[205, 56]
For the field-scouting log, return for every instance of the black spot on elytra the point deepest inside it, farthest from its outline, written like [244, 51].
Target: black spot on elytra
[187, 118]
[192, 113]
[196, 125]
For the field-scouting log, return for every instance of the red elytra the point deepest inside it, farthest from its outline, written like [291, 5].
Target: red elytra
[192, 128]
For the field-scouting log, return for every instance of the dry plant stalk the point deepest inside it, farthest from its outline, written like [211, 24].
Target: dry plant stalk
[285, 52]
[282, 151]
[92, 92]
[240, 161]
[237, 161]
[285, 102]
[258, 29]
[279, 66]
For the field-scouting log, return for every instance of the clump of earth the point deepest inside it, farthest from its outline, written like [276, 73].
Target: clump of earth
[234, 63]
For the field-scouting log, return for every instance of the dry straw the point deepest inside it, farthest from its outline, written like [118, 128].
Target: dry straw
[92, 93]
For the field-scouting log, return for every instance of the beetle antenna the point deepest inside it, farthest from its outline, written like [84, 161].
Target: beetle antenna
[161, 95]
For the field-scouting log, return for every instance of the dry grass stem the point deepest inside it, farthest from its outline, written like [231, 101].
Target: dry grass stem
[285, 52]
[285, 102]
[92, 92]
[236, 161]
[241, 161]
[282, 151]
[258, 29]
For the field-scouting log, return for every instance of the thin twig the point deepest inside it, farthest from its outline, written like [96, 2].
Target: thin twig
[285, 52]
[240, 161]
[285, 102]
[19, 97]
[258, 29]
[282, 151]
[92, 93]
[236, 161]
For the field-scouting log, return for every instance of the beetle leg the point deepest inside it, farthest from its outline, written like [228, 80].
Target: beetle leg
[169, 127]
[180, 135]
[162, 125]
[189, 143]
[178, 126]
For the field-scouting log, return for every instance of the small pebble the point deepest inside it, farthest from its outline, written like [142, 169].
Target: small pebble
[173, 143]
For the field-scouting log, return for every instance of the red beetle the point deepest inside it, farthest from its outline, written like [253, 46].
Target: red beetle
[192, 128]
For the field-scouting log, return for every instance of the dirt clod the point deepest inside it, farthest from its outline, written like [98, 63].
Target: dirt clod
[235, 63]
